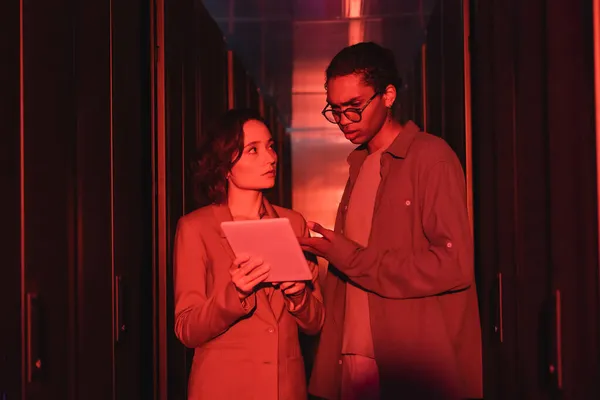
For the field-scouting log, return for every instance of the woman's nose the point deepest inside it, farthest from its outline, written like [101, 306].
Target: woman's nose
[271, 157]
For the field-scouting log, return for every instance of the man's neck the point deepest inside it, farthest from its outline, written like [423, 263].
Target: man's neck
[386, 135]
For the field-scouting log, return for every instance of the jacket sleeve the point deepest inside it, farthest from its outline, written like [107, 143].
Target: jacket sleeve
[310, 313]
[199, 317]
[445, 265]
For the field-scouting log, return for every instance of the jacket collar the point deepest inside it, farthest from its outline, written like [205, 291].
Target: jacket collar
[222, 213]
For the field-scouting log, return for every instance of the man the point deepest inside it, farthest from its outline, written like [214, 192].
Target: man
[402, 318]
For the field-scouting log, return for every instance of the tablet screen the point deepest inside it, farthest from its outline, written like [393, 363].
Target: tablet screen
[274, 241]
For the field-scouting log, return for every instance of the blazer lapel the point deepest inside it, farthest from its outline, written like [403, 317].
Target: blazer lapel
[263, 307]
[222, 214]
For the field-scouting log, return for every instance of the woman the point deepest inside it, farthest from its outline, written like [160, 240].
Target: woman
[244, 331]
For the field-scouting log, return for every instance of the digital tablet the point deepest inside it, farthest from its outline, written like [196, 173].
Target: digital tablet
[274, 241]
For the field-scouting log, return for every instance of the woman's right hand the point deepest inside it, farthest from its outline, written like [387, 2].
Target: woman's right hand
[247, 272]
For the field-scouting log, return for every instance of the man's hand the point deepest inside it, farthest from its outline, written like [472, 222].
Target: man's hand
[318, 246]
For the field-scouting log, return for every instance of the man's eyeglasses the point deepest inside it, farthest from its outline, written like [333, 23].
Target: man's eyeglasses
[352, 114]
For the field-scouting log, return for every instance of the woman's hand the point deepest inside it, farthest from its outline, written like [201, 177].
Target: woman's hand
[247, 272]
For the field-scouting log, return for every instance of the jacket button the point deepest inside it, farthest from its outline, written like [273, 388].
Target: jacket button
[270, 330]
[340, 362]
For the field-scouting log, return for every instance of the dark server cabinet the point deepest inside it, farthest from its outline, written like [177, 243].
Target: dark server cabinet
[534, 183]
[48, 265]
[444, 75]
[536, 225]
[10, 240]
[76, 275]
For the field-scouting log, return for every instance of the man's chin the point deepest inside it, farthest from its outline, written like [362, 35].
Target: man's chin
[359, 140]
[352, 137]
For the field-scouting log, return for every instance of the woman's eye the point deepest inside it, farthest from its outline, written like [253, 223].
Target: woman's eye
[252, 150]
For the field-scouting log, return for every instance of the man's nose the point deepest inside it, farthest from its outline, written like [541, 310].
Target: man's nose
[344, 121]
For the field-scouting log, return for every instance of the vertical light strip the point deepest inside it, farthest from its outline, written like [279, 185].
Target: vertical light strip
[423, 68]
[159, 201]
[263, 58]
[596, 16]
[112, 197]
[162, 205]
[22, 195]
[183, 142]
[558, 338]
[353, 10]
[356, 31]
[261, 104]
[153, 118]
[230, 81]
[279, 135]
[248, 98]
[468, 116]
[500, 307]
[424, 84]
[230, 69]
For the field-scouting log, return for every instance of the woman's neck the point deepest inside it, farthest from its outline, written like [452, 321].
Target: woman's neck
[245, 204]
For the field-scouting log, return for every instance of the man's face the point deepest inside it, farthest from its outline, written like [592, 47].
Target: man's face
[350, 92]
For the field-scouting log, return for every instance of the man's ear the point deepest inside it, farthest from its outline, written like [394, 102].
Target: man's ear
[389, 96]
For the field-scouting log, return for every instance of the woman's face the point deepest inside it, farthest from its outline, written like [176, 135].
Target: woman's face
[257, 167]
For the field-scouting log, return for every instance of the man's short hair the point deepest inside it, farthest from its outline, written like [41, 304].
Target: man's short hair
[375, 63]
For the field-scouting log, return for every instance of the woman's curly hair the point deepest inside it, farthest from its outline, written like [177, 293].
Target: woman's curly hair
[217, 153]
